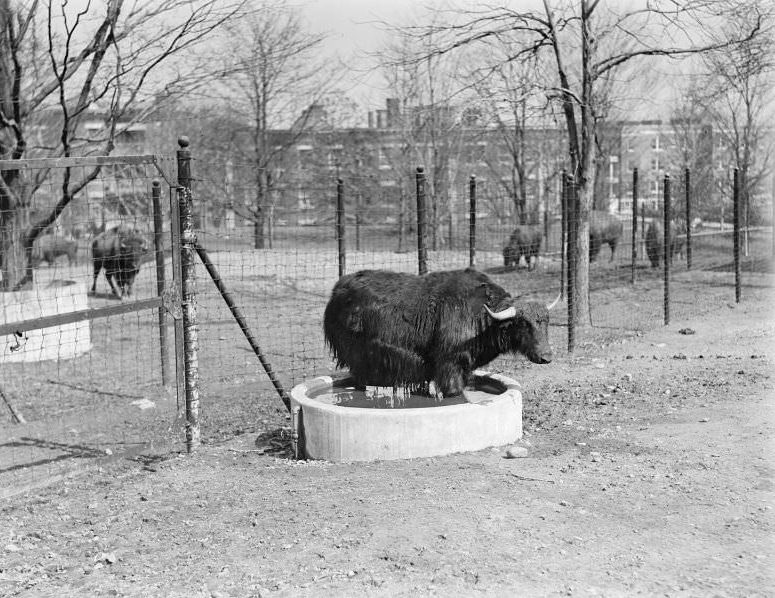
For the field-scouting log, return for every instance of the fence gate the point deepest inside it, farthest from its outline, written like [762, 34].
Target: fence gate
[84, 375]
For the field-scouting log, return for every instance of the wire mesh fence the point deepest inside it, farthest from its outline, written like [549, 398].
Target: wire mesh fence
[81, 390]
[277, 250]
[344, 223]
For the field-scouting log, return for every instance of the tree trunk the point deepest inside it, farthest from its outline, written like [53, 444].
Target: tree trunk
[12, 229]
[581, 281]
[260, 216]
[401, 219]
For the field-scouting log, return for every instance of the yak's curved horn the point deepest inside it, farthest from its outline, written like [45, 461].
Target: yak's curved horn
[505, 314]
[554, 303]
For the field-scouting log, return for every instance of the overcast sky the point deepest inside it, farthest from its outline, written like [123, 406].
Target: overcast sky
[354, 30]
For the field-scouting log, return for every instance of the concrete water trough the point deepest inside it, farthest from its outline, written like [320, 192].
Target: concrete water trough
[63, 341]
[336, 422]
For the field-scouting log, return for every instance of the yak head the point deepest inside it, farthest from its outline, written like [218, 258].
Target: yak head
[133, 246]
[524, 328]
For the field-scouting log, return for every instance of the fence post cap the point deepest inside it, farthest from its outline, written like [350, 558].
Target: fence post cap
[420, 169]
[473, 177]
[183, 141]
[156, 183]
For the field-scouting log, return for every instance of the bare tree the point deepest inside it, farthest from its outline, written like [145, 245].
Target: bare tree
[271, 67]
[578, 37]
[59, 64]
[513, 99]
[737, 94]
[427, 123]
[692, 149]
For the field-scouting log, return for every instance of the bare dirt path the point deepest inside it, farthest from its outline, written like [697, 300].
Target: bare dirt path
[650, 472]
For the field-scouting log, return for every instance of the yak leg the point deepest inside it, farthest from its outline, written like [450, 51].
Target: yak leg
[97, 268]
[613, 250]
[451, 374]
[109, 275]
[450, 379]
[382, 364]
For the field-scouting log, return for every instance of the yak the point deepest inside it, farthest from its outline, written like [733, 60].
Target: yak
[119, 251]
[655, 241]
[603, 228]
[403, 330]
[50, 247]
[524, 241]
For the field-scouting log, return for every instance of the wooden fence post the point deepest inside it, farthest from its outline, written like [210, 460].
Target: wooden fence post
[188, 289]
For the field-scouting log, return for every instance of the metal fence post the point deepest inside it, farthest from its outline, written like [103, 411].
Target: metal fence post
[736, 233]
[668, 248]
[422, 246]
[340, 240]
[572, 232]
[546, 226]
[634, 223]
[158, 244]
[563, 231]
[772, 214]
[188, 299]
[687, 189]
[358, 208]
[472, 221]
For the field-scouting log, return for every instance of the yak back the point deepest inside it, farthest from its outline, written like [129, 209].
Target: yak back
[655, 240]
[49, 247]
[120, 242]
[527, 235]
[605, 225]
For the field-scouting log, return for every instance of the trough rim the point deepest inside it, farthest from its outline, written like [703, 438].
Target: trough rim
[300, 394]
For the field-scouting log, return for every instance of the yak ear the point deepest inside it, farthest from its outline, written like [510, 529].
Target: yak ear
[480, 296]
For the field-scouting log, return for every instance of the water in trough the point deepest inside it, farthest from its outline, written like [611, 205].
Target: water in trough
[345, 394]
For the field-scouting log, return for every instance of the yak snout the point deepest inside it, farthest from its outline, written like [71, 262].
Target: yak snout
[542, 356]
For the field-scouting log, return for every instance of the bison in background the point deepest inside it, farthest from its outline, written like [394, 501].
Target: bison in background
[524, 241]
[655, 241]
[50, 247]
[119, 251]
[403, 330]
[603, 228]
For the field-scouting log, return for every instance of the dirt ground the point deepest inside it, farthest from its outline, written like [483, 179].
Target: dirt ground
[649, 472]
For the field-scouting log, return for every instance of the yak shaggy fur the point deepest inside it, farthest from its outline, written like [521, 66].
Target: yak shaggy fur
[403, 330]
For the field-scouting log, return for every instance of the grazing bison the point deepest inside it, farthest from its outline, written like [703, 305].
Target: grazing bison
[524, 241]
[603, 228]
[50, 247]
[395, 329]
[655, 241]
[120, 252]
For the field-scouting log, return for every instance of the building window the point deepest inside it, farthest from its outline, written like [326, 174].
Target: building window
[305, 158]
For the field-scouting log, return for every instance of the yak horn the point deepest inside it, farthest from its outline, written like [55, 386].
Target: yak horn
[505, 314]
[554, 303]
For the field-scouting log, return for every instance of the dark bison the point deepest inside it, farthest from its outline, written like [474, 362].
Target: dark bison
[655, 241]
[50, 247]
[603, 228]
[119, 251]
[524, 241]
[394, 329]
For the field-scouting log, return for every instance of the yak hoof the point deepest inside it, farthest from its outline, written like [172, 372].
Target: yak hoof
[434, 391]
